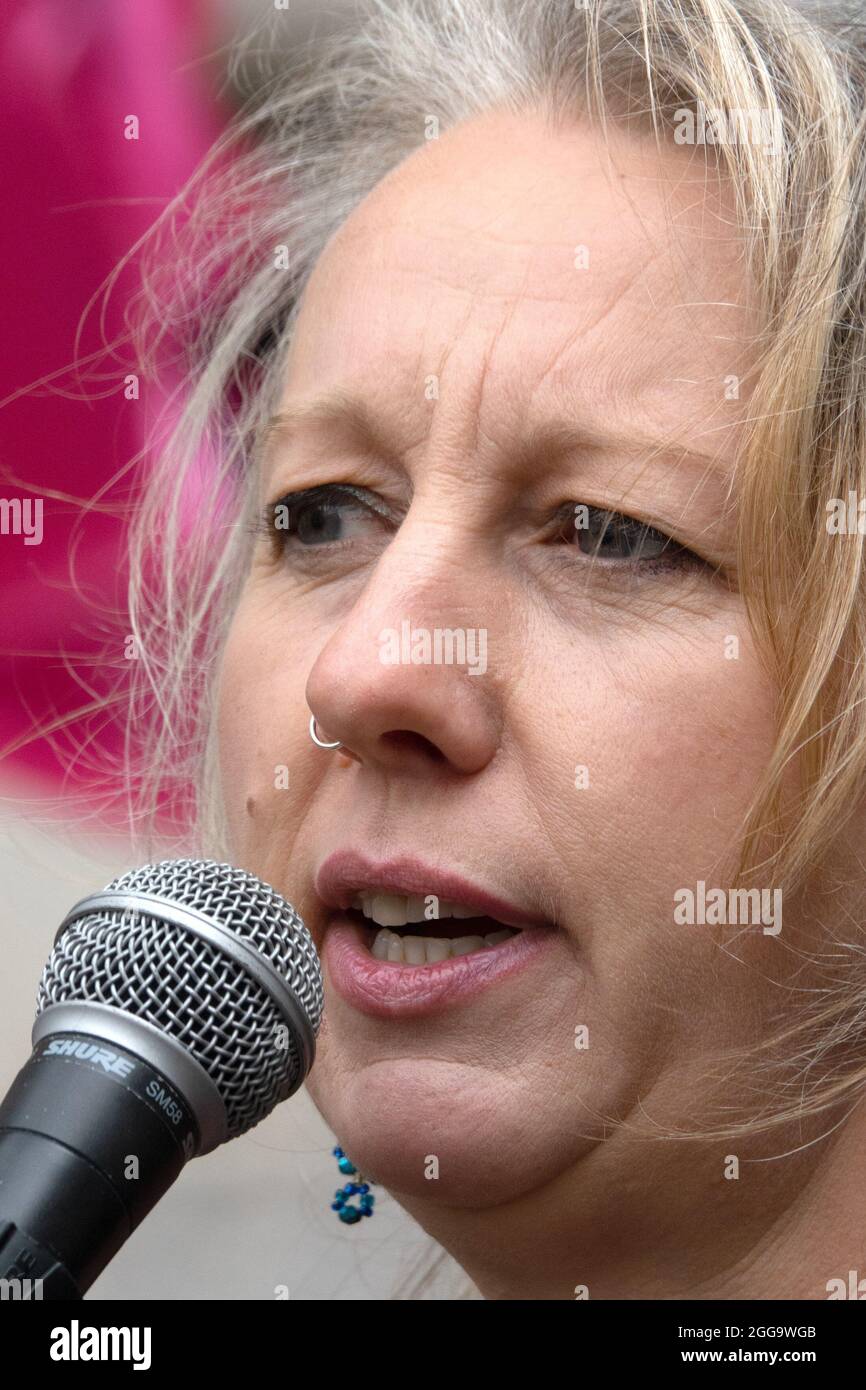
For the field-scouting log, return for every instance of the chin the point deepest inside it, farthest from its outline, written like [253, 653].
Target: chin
[394, 1116]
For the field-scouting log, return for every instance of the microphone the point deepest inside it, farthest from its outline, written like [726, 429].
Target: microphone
[177, 1008]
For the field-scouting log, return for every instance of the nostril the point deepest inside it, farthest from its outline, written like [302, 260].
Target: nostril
[400, 739]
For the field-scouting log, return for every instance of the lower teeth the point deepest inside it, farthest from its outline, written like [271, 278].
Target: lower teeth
[428, 950]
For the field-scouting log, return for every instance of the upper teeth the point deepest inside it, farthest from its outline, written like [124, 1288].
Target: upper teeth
[398, 909]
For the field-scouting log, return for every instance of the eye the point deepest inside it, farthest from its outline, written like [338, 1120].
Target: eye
[623, 540]
[319, 517]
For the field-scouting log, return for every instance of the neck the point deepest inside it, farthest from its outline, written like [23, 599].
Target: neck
[643, 1218]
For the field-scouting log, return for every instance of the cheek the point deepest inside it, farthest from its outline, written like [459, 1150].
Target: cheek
[261, 717]
[704, 741]
[680, 736]
[661, 754]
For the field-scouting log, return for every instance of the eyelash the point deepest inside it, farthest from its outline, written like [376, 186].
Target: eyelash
[326, 494]
[323, 495]
[674, 557]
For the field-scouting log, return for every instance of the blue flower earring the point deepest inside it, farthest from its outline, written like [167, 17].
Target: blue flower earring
[341, 1204]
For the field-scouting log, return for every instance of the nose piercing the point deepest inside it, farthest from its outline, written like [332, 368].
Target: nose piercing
[320, 743]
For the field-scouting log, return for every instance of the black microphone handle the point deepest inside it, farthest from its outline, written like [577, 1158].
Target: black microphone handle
[91, 1136]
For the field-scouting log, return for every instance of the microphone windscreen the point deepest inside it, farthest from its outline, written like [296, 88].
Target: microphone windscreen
[211, 956]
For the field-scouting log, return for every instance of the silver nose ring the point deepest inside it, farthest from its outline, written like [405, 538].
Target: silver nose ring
[320, 743]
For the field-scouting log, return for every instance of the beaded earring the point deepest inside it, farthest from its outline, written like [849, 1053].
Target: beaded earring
[360, 1187]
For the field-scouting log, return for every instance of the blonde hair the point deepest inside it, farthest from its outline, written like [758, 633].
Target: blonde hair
[218, 304]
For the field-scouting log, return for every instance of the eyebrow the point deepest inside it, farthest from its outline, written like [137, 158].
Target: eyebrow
[562, 437]
[333, 408]
[339, 407]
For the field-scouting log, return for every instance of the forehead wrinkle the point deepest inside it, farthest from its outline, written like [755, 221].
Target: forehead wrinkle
[456, 427]
[482, 369]
[450, 434]
[455, 424]
[337, 409]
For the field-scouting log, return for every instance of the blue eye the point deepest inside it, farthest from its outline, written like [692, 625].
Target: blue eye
[622, 542]
[613, 536]
[318, 516]
[317, 523]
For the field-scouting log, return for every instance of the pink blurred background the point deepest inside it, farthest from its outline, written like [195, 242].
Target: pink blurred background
[77, 195]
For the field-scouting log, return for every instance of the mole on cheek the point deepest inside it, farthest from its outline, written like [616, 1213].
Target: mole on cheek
[251, 805]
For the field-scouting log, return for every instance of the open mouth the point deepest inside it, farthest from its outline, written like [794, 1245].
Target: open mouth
[415, 930]
[397, 949]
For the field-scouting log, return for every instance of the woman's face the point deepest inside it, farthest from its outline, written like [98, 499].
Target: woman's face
[499, 334]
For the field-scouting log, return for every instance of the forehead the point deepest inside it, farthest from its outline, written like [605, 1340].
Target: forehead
[528, 268]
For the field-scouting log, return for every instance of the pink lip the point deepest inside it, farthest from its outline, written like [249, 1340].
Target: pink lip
[388, 990]
[384, 989]
[347, 872]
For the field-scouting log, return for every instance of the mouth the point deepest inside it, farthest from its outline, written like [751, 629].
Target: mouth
[413, 930]
[406, 939]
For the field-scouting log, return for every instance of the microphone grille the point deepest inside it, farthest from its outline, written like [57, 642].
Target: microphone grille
[188, 987]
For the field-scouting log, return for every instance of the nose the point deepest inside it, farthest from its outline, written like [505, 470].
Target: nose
[404, 681]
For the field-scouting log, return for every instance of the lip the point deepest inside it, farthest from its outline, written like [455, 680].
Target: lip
[388, 990]
[348, 872]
